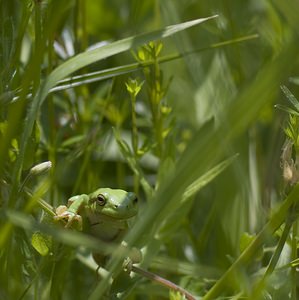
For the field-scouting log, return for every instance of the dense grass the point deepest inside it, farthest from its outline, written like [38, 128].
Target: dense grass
[183, 115]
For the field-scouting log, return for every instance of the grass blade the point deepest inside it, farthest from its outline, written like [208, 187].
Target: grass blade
[290, 97]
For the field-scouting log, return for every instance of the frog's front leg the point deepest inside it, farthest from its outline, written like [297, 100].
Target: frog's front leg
[71, 214]
[62, 213]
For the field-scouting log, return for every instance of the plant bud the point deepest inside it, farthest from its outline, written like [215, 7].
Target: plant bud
[40, 168]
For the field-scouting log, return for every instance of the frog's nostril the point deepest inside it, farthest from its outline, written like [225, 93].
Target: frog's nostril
[115, 206]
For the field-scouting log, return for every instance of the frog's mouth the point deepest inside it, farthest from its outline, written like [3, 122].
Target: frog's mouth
[113, 226]
[96, 218]
[107, 221]
[122, 213]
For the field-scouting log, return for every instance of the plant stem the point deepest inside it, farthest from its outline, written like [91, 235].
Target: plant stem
[155, 99]
[134, 125]
[41, 202]
[162, 281]
[38, 40]
[134, 139]
[84, 36]
[294, 256]
[274, 259]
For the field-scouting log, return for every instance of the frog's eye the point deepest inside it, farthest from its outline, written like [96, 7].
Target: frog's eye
[101, 200]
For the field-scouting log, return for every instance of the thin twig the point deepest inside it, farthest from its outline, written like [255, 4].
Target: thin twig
[42, 203]
[162, 281]
[294, 256]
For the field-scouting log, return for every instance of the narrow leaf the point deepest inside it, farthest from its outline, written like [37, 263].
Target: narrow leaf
[172, 220]
[91, 77]
[290, 97]
[203, 180]
[41, 243]
[287, 109]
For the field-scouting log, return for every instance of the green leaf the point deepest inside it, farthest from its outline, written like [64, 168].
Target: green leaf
[91, 77]
[167, 166]
[134, 86]
[174, 295]
[295, 263]
[245, 240]
[41, 243]
[65, 236]
[287, 109]
[290, 97]
[205, 179]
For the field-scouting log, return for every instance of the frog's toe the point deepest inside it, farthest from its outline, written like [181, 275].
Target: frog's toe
[60, 210]
[74, 218]
[63, 214]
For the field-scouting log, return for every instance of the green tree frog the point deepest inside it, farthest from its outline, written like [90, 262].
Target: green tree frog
[103, 214]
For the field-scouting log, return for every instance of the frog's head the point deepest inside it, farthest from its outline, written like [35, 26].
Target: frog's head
[114, 203]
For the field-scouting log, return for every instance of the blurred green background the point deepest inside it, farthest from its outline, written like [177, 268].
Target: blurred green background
[213, 100]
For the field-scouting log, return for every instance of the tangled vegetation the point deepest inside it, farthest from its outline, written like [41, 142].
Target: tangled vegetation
[190, 105]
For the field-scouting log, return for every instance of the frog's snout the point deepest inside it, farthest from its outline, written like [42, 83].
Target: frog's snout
[134, 200]
[131, 202]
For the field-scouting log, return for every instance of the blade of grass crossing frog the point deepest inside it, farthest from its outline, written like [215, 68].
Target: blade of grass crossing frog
[290, 97]
[71, 238]
[82, 60]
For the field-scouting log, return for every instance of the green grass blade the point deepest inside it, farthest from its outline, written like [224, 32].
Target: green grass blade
[79, 80]
[290, 97]
[65, 236]
[173, 219]
[205, 179]
[286, 109]
[112, 72]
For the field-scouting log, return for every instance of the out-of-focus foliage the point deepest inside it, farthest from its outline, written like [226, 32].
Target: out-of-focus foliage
[84, 86]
